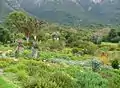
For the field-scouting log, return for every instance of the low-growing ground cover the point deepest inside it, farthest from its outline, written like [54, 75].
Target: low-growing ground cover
[38, 74]
[37, 54]
[32, 73]
[5, 84]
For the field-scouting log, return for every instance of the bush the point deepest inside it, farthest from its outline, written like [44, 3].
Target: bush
[115, 64]
[37, 74]
[88, 47]
[12, 69]
[75, 50]
[37, 82]
[113, 77]
[108, 46]
[30, 82]
[6, 63]
[95, 65]
[63, 80]
[67, 51]
[91, 80]
[26, 54]
[22, 75]
[55, 45]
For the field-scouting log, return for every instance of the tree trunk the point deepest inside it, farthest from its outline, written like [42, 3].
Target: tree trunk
[27, 38]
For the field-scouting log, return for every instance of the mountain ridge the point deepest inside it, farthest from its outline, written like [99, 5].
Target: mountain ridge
[66, 11]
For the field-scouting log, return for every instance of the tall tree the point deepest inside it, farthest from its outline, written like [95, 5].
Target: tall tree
[18, 22]
[24, 23]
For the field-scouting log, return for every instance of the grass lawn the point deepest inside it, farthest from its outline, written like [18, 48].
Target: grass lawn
[4, 84]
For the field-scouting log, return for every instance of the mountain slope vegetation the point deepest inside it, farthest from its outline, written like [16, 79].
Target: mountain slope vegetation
[70, 11]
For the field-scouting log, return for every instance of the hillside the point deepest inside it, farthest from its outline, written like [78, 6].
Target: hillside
[70, 11]
[4, 8]
[39, 54]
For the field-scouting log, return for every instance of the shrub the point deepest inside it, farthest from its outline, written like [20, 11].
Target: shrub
[90, 80]
[37, 82]
[3, 64]
[26, 54]
[37, 74]
[115, 64]
[22, 75]
[15, 67]
[95, 65]
[88, 47]
[63, 80]
[55, 45]
[108, 46]
[113, 77]
[75, 50]
[46, 83]
[6, 62]
[12, 69]
[67, 51]
[30, 82]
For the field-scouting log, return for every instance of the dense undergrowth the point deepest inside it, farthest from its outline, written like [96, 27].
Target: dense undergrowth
[30, 47]
[34, 74]
[5, 84]
[38, 74]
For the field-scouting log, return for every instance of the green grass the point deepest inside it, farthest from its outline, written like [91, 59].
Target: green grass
[108, 43]
[38, 74]
[4, 84]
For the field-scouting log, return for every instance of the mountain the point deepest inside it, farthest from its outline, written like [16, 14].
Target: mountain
[4, 8]
[69, 11]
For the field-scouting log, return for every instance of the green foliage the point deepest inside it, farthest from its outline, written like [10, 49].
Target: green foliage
[6, 62]
[55, 45]
[26, 54]
[20, 22]
[113, 36]
[63, 80]
[105, 46]
[34, 82]
[51, 69]
[4, 35]
[33, 74]
[91, 80]
[15, 67]
[113, 77]
[115, 64]
[67, 51]
[96, 39]
[75, 50]
[22, 75]
[16, 21]
[11, 69]
[95, 65]
[78, 51]
[5, 84]
[89, 47]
